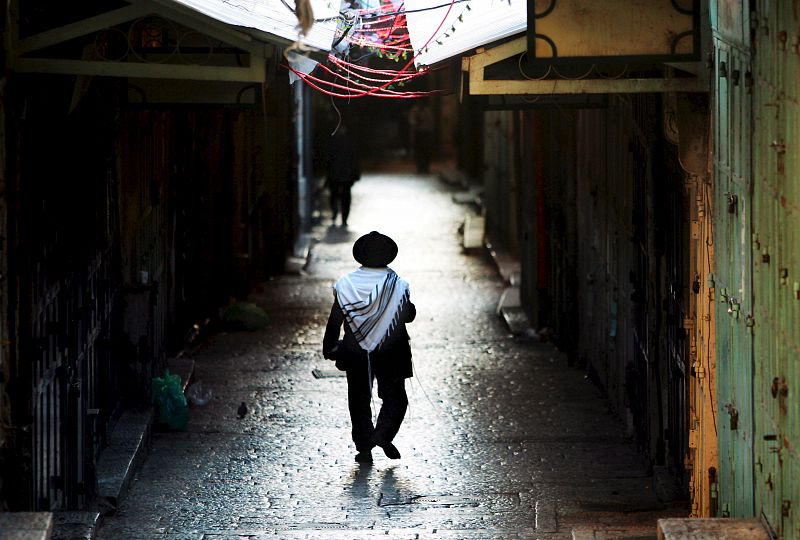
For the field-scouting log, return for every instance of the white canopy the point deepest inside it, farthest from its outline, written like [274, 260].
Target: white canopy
[273, 17]
[469, 24]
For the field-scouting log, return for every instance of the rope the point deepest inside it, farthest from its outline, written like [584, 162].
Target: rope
[436, 408]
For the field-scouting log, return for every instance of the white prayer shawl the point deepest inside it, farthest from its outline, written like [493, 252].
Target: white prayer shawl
[371, 300]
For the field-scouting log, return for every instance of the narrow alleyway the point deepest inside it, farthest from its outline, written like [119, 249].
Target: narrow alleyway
[502, 440]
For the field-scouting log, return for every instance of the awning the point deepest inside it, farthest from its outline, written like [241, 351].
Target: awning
[253, 26]
[448, 29]
[271, 18]
[566, 47]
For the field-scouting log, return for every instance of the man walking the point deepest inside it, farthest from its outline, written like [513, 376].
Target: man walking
[375, 304]
[420, 119]
[344, 169]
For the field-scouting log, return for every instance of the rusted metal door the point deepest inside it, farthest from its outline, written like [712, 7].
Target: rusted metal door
[501, 188]
[49, 376]
[557, 196]
[631, 301]
[776, 266]
[65, 388]
[733, 212]
[671, 226]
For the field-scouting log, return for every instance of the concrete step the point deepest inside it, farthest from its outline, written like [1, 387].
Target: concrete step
[472, 196]
[711, 529]
[509, 299]
[297, 261]
[474, 227]
[453, 177]
[509, 308]
[26, 525]
[127, 446]
[516, 320]
[75, 525]
[508, 266]
[119, 461]
[614, 532]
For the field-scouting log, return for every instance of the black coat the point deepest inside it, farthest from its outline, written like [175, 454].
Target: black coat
[391, 359]
[343, 163]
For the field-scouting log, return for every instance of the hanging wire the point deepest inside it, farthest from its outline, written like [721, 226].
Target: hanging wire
[362, 77]
[339, 113]
[319, 84]
[709, 243]
[436, 408]
[365, 69]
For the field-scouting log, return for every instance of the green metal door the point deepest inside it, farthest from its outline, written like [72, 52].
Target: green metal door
[770, 376]
[776, 265]
[732, 254]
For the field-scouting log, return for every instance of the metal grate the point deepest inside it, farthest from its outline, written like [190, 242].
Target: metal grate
[327, 373]
[316, 526]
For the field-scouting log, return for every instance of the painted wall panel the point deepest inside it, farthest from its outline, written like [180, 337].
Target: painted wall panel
[732, 254]
[733, 284]
[776, 263]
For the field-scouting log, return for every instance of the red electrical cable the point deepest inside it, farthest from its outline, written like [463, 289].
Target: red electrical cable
[402, 79]
[385, 91]
[411, 61]
[393, 39]
[365, 69]
[405, 95]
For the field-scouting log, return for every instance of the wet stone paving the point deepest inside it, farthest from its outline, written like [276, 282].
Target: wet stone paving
[502, 439]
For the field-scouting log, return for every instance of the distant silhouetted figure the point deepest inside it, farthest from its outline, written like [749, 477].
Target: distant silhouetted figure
[420, 119]
[344, 169]
[242, 410]
[374, 305]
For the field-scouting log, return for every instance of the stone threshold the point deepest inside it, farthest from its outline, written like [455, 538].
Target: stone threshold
[712, 529]
[26, 525]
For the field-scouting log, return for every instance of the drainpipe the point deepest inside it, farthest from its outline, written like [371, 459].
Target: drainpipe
[305, 191]
[5, 327]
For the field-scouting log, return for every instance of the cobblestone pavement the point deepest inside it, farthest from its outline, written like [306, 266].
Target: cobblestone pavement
[502, 440]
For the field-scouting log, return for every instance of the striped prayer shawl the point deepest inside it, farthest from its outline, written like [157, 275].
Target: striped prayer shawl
[371, 300]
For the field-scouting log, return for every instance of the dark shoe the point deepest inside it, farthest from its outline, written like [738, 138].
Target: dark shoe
[364, 457]
[389, 449]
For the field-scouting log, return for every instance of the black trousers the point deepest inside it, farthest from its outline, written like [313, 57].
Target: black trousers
[391, 390]
[423, 150]
[340, 200]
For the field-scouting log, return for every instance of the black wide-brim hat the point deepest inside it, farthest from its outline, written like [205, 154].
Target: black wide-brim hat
[374, 250]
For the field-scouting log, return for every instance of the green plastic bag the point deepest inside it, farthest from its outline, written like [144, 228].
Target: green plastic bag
[241, 316]
[170, 401]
